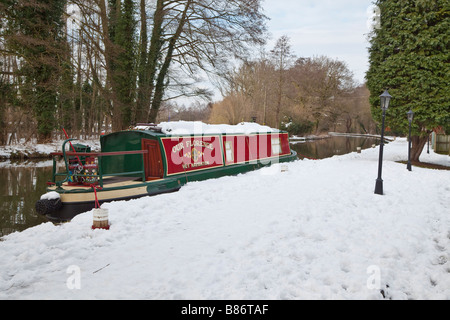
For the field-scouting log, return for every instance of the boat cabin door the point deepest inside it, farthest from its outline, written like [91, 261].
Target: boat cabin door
[152, 160]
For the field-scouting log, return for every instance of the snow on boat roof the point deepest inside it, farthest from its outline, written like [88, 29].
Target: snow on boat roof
[198, 127]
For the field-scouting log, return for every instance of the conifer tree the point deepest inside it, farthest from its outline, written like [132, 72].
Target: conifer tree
[409, 55]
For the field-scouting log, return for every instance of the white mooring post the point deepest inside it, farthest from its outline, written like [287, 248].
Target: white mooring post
[100, 216]
[100, 220]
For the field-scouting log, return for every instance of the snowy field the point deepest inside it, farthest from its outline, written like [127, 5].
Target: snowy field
[316, 231]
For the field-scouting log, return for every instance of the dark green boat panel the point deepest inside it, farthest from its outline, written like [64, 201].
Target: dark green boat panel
[122, 141]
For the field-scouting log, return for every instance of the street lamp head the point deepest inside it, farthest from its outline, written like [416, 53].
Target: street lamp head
[385, 99]
[410, 114]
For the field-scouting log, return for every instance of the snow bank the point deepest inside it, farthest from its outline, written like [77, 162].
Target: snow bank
[316, 231]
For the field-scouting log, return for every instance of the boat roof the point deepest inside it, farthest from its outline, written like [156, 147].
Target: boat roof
[179, 128]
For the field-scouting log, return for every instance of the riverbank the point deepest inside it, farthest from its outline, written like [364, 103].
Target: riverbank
[366, 135]
[315, 231]
[28, 151]
[33, 151]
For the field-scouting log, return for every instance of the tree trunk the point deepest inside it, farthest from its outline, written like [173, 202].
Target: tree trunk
[160, 85]
[418, 143]
[3, 132]
[142, 102]
[114, 102]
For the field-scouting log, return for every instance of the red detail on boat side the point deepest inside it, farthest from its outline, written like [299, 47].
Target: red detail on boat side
[256, 147]
[187, 154]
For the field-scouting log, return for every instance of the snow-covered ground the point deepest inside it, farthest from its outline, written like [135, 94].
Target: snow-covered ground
[316, 231]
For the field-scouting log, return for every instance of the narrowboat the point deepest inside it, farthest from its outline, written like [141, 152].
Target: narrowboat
[153, 159]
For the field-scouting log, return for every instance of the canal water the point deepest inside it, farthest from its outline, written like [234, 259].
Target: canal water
[328, 147]
[22, 184]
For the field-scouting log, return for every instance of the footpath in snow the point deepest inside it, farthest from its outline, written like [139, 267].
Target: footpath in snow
[317, 231]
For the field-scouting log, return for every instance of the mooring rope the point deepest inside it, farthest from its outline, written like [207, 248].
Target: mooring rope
[97, 204]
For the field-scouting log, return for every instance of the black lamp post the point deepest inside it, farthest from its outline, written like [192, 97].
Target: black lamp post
[385, 99]
[410, 114]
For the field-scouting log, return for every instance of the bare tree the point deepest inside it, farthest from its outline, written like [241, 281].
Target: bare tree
[319, 83]
[316, 93]
[233, 110]
[194, 36]
[282, 58]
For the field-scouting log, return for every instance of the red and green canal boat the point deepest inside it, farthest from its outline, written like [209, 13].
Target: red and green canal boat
[149, 161]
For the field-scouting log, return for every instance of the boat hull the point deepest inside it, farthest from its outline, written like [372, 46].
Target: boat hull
[69, 210]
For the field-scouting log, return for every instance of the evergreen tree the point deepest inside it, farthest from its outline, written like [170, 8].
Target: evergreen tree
[409, 55]
[35, 31]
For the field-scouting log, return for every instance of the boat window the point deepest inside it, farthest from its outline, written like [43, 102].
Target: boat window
[229, 150]
[276, 146]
